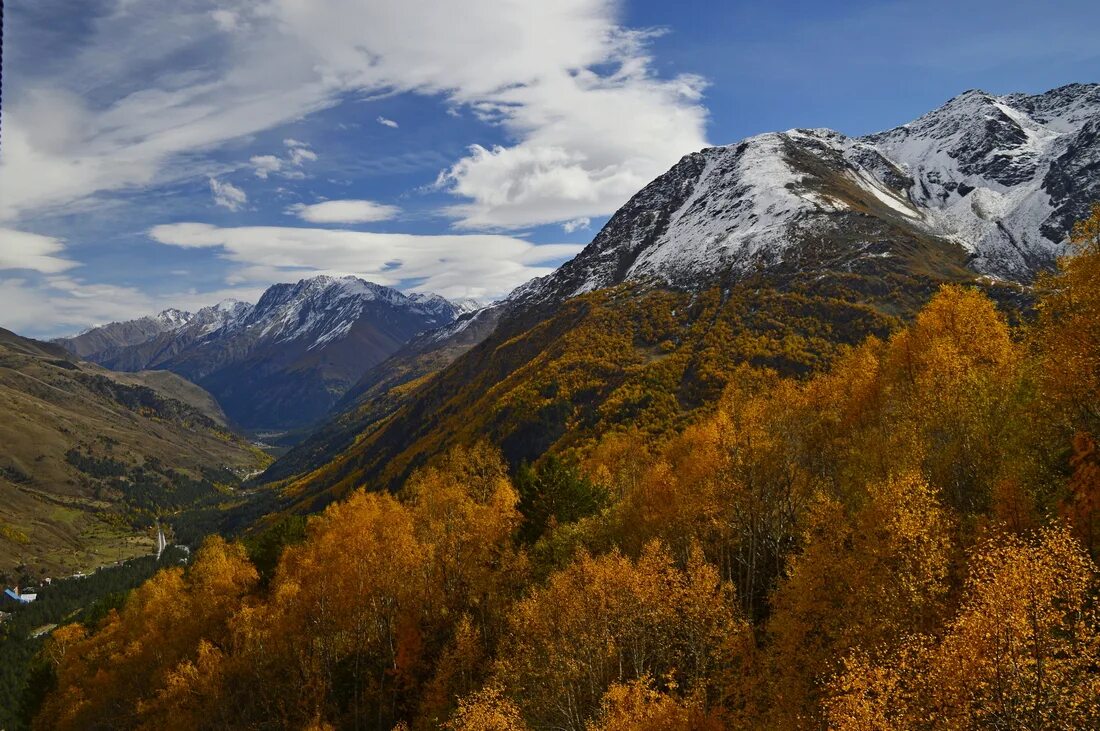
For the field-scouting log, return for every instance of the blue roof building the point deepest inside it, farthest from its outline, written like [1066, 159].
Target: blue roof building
[14, 595]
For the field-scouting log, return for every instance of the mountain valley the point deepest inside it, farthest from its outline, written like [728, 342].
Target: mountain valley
[776, 251]
[92, 457]
[806, 437]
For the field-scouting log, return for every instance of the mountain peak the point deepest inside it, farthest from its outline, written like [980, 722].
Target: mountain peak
[997, 178]
[465, 305]
[173, 318]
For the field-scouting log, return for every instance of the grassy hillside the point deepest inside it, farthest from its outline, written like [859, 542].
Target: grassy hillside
[89, 458]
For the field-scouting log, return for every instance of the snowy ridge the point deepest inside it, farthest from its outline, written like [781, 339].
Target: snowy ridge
[214, 317]
[172, 318]
[319, 310]
[986, 167]
[466, 305]
[1003, 177]
[323, 309]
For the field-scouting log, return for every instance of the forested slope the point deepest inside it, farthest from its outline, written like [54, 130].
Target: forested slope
[904, 539]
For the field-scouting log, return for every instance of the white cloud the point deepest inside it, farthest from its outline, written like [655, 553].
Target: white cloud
[264, 165]
[576, 224]
[226, 20]
[454, 265]
[387, 122]
[59, 305]
[344, 211]
[298, 155]
[588, 144]
[227, 195]
[589, 119]
[25, 250]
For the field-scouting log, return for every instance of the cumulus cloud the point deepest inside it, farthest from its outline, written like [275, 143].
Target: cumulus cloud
[227, 195]
[588, 143]
[454, 265]
[264, 165]
[590, 119]
[299, 155]
[226, 20]
[25, 250]
[387, 122]
[344, 211]
[576, 224]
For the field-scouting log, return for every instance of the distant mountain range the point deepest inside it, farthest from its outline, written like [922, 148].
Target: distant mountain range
[787, 245]
[283, 362]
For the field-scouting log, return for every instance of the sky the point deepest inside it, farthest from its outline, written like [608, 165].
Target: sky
[175, 153]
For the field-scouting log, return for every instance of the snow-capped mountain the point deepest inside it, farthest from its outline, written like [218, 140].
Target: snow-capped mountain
[998, 178]
[282, 362]
[121, 334]
[173, 318]
[466, 305]
[209, 319]
[835, 235]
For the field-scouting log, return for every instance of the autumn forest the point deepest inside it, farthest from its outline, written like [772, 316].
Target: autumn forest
[903, 539]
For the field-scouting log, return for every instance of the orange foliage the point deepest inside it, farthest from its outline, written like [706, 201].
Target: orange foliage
[862, 581]
[1021, 653]
[171, 624]
[637, 706]
[609, 619]
[791, 554]
[1067, 333]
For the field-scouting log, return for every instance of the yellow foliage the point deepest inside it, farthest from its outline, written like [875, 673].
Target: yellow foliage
[1067, 335]
[861, 581]
[487, 710]
[171, 623]
[1021, 653]
[868, 547]
[608, 619]
[638, 706]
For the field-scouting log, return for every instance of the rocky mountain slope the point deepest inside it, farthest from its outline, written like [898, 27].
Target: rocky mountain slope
[281, 363]
[785, 244]
[90, 456]
[1000, 177]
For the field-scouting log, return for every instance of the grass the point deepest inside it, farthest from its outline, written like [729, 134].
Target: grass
[59, 517]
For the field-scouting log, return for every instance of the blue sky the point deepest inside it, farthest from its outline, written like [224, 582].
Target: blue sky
[161, 154]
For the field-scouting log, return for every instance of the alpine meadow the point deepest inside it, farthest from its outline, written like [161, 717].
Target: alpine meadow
[400, 366]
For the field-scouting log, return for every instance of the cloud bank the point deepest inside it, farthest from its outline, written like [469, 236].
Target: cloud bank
[590, 121]
[22, 250]
[458, 265]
